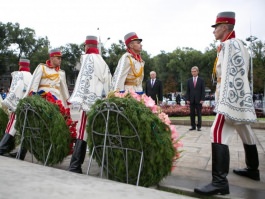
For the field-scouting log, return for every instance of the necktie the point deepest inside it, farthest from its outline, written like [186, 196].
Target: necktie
[194, 81]
[152, 82]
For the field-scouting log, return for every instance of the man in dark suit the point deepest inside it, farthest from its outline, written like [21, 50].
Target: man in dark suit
[195, 97]
[154, 88]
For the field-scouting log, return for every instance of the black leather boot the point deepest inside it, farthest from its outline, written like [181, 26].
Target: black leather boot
[252, 162]
[220, 169]
[20, 155]
[7, 143]
[78, 156]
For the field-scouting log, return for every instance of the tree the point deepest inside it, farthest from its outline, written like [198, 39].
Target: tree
[71, 56]
[206, 70]
[148, 66]
[160, 62]
[17, 43]
[258, 66]
[114, 54]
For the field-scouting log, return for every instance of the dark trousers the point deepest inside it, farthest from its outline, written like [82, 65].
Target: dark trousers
[198, 108]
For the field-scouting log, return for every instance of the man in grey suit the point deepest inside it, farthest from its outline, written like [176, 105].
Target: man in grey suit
[154, 88]
[195, 97]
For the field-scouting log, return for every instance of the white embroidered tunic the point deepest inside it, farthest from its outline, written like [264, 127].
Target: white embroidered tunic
[17, 90]
[233, 96]
[93, 81]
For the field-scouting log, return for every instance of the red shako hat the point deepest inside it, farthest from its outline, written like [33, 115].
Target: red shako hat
[55, 52]
[225, 18]
[132, 36]
[90, 39]
[24, 62]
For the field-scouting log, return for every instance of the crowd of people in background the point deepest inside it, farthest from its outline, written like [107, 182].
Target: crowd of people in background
[258, 100]
[3, 93]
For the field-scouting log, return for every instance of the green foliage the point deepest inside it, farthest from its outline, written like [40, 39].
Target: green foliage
[46, 126]
[114, 54]
[258, 67]
[16, 43]
[3, 123]
[177, 63]
[155, 140]
[148, 65]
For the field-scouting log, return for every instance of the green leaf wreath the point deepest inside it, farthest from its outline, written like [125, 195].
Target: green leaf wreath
[155, 138]
[46, 126]
[3, 122]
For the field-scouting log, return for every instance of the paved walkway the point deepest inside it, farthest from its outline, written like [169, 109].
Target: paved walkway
[193, 169]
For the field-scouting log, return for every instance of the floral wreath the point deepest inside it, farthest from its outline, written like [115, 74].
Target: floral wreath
[150, 103]
[65, 113]
[159, 140]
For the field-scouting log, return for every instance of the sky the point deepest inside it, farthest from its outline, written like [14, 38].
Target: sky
[162, 24]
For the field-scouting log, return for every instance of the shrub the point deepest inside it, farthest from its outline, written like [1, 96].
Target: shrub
[40, 116]
[155, 136]
[178, 110]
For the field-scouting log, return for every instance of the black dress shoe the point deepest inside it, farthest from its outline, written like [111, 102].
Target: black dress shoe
[211, 189]
[252, 174]
[198, 129]
[191, 129]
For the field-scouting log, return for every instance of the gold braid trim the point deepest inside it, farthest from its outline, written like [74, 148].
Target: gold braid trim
[214, 68]
[218, 50]
[133, 69]
[49, 86]
[49, 76]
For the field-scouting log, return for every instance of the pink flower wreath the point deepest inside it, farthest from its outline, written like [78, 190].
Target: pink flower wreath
[150, 103]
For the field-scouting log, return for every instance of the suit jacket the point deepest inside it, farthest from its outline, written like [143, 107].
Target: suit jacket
[197, 93]
[155, 92]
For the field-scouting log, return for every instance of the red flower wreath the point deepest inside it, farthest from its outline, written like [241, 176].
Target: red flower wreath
[65, 113]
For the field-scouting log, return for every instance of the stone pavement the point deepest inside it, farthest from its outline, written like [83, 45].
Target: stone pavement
[193, 169]
[25, 180]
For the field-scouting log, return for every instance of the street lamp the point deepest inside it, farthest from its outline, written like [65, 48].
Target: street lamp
[100, 44]
[251, 39]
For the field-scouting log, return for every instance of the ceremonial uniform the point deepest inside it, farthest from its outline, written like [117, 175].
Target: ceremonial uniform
[234, 108]
[19, 85]
[93, 83]
[50, 79]
[129, 73]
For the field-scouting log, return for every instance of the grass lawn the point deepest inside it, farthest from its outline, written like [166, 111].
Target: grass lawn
[208, 118]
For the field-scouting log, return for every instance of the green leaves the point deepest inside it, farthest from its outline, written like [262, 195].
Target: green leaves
[154, 140]
[44, 126]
